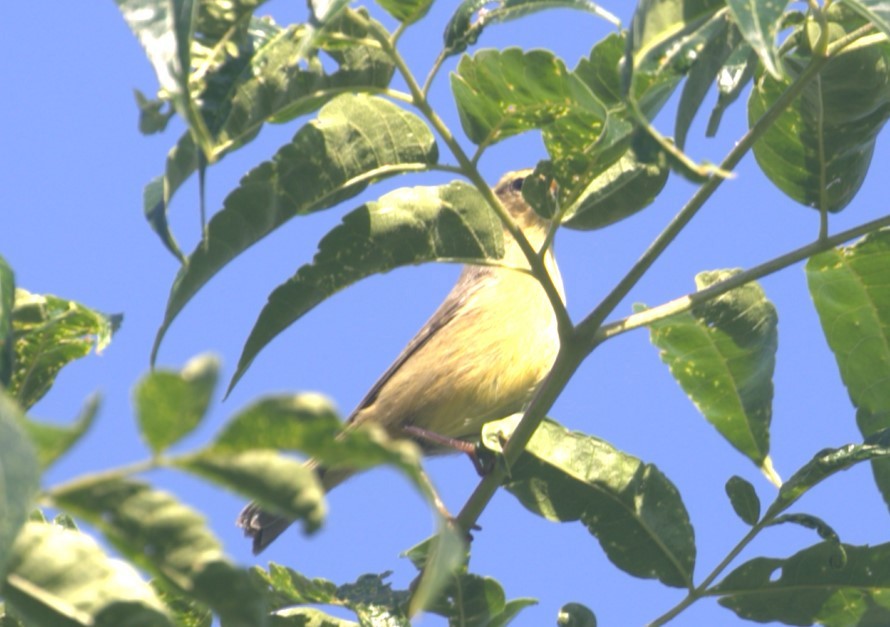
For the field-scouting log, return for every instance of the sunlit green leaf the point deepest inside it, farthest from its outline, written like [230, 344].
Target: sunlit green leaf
[302, 422]
[170, 404]
[406, 226]
[744, 499]
[356, 139]
[501, 93]
[158, 533]
[759, 23]
[62, 578]
[632, 508]
[280, 484]
[813, 587]
[702, 74]
[51, 332]
[52, 440]
[819, 149]
[19, 476]
[472, 16]
[850, 291]
[723, 354]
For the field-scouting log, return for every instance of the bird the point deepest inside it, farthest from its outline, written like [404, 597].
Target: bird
[479, 357]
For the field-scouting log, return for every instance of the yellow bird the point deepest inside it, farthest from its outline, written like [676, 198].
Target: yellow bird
[479, 358]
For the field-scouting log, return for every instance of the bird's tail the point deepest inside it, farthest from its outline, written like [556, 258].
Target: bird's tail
[264, 527]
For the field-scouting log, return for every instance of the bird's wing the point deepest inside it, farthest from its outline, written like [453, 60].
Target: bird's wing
[465, 288]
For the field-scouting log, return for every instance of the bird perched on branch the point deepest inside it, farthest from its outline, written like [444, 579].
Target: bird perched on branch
[479, 358]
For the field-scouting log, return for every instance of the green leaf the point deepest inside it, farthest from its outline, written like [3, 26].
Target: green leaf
[300, 422]
[662, 30]
[825, 531]
[476, 600]
[439, 559]
[813, 587]
[53, 440]
[501, 93]
[61, 578]
[406, 226]
[628, 186]
[632, 508]
[186, 612]
[723, 354]
[355, 140]
[849, 289]
[51, 332]
[273, 84]
[472, 16]
[370, 597]
[732, 78]
[153, 22]
[171, 404]
[19, 476]
[826, 463]
[704, 70]
[281, 484]
[406, 11]
[819, 149]
[7, 340]
[575, 615]
[875, 11]
[744, 499]
[158, 533]
[759, 23]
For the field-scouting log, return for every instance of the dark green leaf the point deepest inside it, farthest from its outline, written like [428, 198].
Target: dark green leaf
[825, 531]
[158, 533]
[826, 463]
[875, 11]
[759, 23]
[288, 587]
[849, 289]
[472, 16]
[702, 74]
[171, 404]
[407, 11]
[50, 332]
[627, 187]
[503, 93]
[153, 114]
[406, 226]
[444, 555]
[7, 339]
[813, 586]
[631, 507]
[62, 578]
[19, 476]
[478, 601]
[743, 499]
[355, 140]
[54, 440]
[575, 615]
[819, 150]
[281, 484]
[722, 354]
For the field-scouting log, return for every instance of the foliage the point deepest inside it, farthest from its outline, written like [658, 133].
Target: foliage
[818, 98]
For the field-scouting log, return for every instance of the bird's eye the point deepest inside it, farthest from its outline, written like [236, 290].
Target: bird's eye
[516, 184]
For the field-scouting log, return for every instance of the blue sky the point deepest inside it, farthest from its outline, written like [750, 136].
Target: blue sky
[73, 166]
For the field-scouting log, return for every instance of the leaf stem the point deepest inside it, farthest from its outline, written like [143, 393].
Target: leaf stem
[687, 302]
